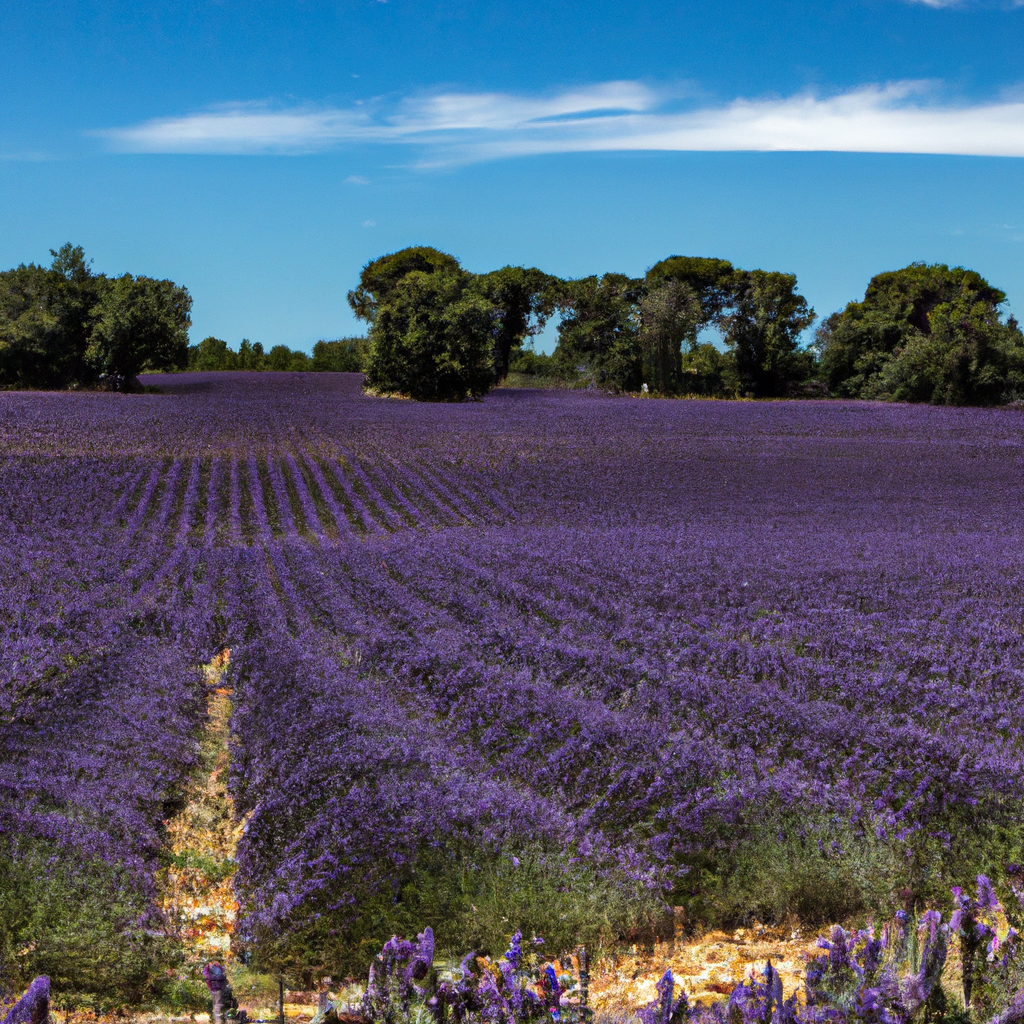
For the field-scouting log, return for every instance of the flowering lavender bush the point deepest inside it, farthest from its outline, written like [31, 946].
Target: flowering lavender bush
[748, 658]
[517, 988]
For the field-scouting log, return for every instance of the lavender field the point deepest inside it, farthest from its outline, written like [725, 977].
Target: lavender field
[552, 660]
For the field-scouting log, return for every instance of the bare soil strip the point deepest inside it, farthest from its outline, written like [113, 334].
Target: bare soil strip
[195, 892]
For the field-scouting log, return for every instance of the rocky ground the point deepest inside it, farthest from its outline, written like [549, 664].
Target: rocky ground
[195, 892]
[707, 968]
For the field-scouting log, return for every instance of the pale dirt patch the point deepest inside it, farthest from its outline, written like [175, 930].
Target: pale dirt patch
[706, 968]
[195, 894]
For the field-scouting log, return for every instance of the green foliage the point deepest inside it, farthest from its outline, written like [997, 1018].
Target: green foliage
[523, 299]
[615, 331]
[531, 363]
[624, 332]
[787, 865]
[46, 320]
[706, 371]
[281, 357]
[434, 327]
[346, 355]
[381, 277]
[432, 339]
[969, 357]
[599, 330]
[711, 280]
[763, 329]
[926, 333]
[81, 921]
[141, 324]
[471, 898]
[183, 996]
[212, 354]
[670, 315]
[68, 327]
[250, 356]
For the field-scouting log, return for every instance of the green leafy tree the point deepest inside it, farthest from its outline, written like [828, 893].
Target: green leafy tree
[967, 357]
[523, 300]
[763, 330]
[250, 356]
[381, 277]
[856, 344]
[46, 317]
[211, 354]
[140, 324]
[279, 358]
[713, 282]
[670, 312]
[75, 293]
[432, 338]
[30, 342]
[599, 331]
[707, 371]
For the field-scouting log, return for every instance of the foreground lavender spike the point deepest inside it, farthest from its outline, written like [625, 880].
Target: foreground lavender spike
[34, 1006]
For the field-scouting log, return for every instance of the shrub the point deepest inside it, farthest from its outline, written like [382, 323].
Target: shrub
[84, 922]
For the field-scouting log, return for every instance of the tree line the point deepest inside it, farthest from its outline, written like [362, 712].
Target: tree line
[690, 326]
[925, 333]
[345, 355]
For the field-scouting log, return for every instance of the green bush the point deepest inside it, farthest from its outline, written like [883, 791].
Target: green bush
[471, 899]
[85, 923]
[786, 864]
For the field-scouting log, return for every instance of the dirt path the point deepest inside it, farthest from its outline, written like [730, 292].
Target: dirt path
[195, 892]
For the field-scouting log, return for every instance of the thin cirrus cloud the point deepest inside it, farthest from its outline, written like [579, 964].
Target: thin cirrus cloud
[451, 128]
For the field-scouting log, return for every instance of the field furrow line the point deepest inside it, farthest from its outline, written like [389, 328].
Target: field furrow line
[397, 502]
[328, 524]
[372, 500]
[213, 526]
[338, 502]
[142, 505]
[436, 511]
[188, 503]
[440, 494]
[335, 473]
[268, 500]
[235, 517]
[256, 493]
[166, 501]
[315, 527]
[287, 519]
[198, 522]
[481, 507]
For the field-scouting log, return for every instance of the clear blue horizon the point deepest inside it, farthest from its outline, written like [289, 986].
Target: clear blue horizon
[260, 154]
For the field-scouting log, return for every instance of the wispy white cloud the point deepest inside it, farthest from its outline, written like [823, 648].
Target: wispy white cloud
[902, 117]
[939, 4]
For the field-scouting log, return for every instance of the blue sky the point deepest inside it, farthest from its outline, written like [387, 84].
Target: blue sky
[261, 152]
